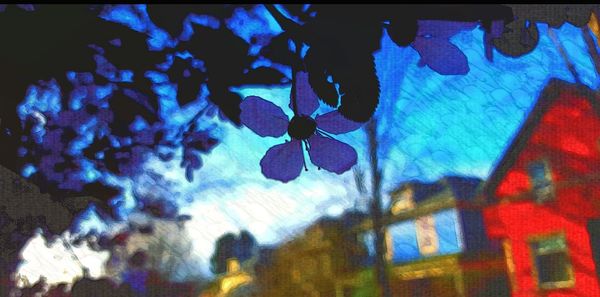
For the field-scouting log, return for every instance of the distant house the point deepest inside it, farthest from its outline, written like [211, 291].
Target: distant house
[545, 195]
[436, 245]
[308, 264]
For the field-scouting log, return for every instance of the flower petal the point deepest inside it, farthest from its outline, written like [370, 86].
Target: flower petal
[331, 155]
[441, 56]
[283, 162]
[263, 117]
[335, 123]
[444, 29]
[306, 99]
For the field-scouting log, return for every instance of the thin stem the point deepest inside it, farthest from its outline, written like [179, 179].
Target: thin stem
[591, 47]
[376, 212]
[323, 133]
[294, 71]
[292, 27]
[74, 256]
[285, 23]
[307, 148]
[564, 55]
[293, 91]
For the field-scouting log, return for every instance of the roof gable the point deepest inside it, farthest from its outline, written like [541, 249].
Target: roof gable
[463, 187]
[555, 89]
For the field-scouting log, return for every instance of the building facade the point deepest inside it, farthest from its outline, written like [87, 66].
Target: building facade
[308, 264]
[545, 195]
[436, 245]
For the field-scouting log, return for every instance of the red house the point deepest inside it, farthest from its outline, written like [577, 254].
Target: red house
[545, 196]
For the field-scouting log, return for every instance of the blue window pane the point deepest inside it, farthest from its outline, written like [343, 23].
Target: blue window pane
[404, 242]
[449, 233]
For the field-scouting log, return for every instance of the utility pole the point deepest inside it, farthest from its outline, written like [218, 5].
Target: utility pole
[376, 212]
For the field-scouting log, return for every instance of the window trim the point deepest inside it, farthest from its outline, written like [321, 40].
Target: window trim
[399, 197]
[549, 175]
[570, 282]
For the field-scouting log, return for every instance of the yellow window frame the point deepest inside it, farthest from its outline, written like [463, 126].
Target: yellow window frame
[535, 239]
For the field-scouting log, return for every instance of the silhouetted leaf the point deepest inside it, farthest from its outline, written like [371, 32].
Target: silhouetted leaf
[188, 89]
[223, 51]
[125, 106]
[278, 50]
[168, 17]
[226, 57]
[101, 191]
[517, 39]
[187, 78]
[171, 16]
[318, 78]
[403, 31]
[133, 53]
[493, 30]
[359, 87]
[343, 47]
[228, 103]
[264, 76]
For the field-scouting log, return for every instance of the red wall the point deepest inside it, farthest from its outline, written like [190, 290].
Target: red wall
[568, 136]
[522, 219]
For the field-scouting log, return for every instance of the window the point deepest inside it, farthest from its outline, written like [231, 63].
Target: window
[552, 267]
[402, 243]
[541, 181]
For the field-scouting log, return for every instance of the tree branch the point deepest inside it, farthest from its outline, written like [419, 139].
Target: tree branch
[285, 23]
[564, 55]
[591, 47]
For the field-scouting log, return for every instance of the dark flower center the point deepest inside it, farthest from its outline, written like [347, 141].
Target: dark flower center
[302, 127]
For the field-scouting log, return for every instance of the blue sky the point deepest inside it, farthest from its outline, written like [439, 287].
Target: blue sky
[431, 126]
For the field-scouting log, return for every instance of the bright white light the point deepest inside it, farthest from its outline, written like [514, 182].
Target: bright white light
[56, 264]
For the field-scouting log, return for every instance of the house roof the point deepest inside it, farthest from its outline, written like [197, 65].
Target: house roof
[462, 187]
[547, 98]
[422, 191]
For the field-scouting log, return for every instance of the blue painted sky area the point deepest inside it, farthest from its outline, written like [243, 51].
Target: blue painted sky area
[431, 126]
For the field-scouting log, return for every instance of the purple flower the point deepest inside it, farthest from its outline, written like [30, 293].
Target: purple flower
[284, 161]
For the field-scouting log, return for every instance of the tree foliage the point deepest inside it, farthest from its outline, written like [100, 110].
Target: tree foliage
[242, 247]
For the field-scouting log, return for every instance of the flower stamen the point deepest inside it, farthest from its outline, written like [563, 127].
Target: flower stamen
[302, 149]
